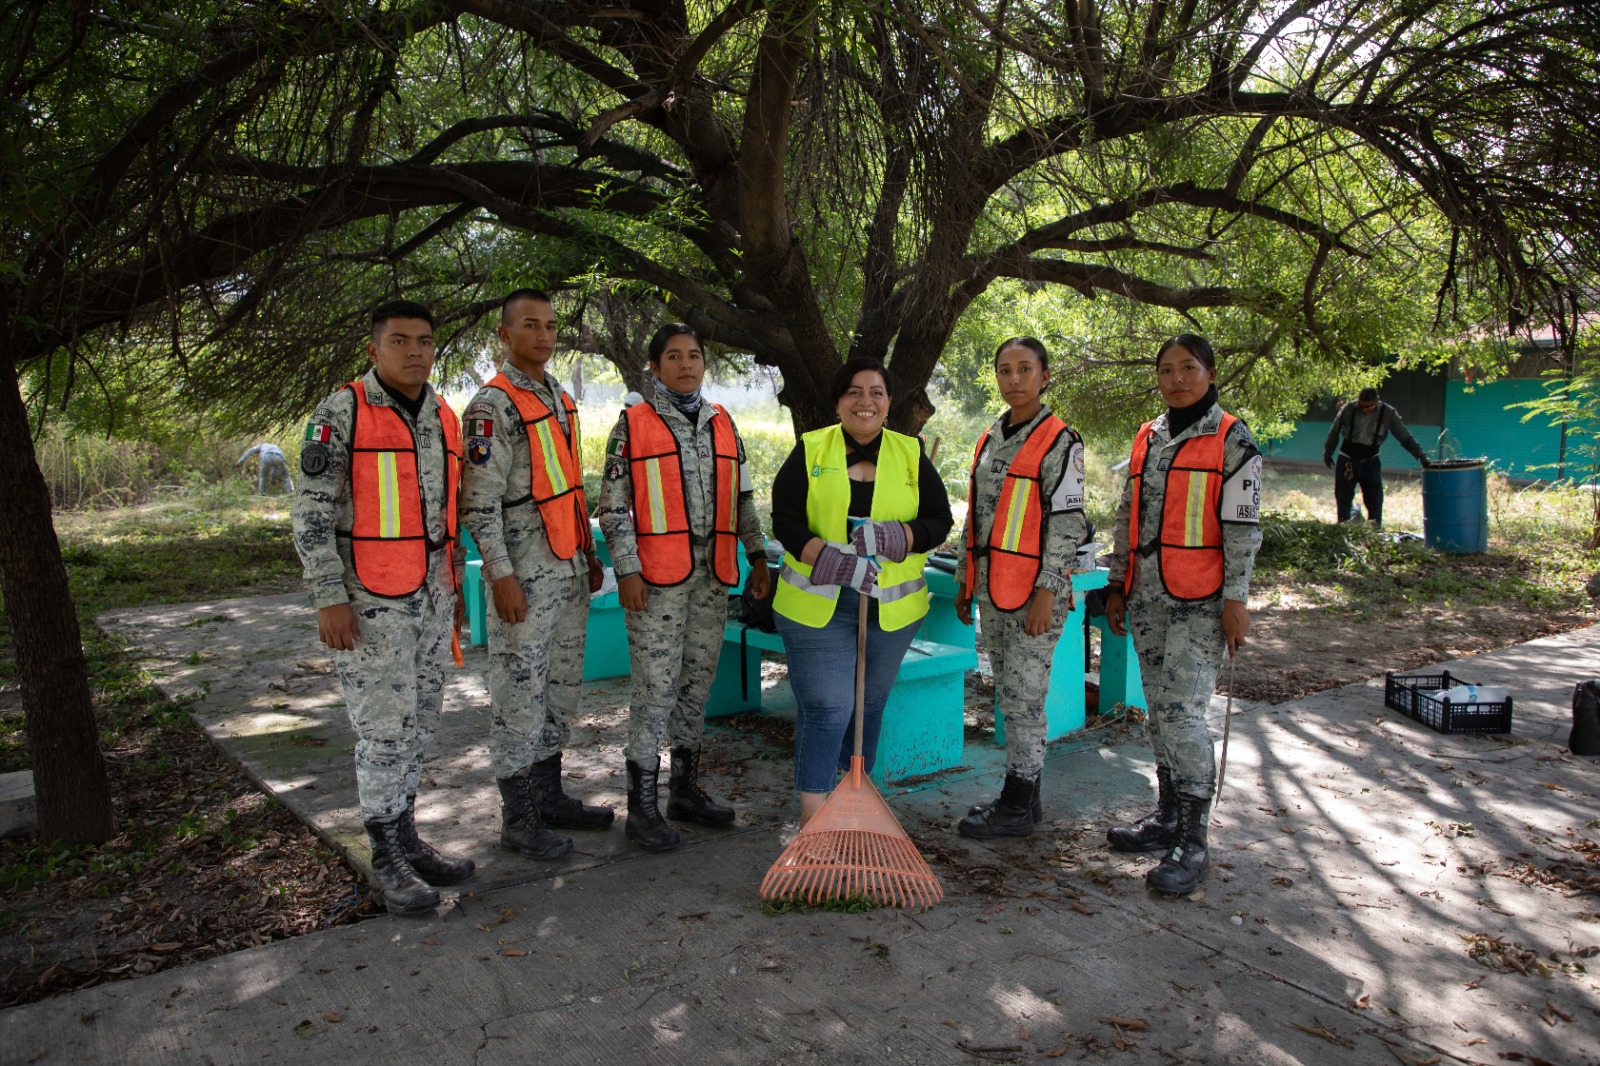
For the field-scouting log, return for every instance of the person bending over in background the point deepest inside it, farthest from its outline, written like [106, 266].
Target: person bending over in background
[1365, 424]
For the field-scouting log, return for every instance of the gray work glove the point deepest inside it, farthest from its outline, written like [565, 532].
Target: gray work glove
[887, 539]
[835, 566]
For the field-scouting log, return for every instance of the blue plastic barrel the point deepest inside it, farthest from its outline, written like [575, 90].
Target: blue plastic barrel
[1455, 506]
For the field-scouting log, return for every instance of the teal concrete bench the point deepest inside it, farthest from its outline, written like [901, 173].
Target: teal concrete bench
[605, 649]
[922, 722]
[1064, 705]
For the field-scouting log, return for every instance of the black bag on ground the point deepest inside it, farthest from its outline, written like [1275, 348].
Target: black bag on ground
[1585, 738]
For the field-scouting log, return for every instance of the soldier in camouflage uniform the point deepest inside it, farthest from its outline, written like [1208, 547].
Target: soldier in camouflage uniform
[675, 629]
[1032, 450]
[1190, 555]
[390, 648]
[540, 592]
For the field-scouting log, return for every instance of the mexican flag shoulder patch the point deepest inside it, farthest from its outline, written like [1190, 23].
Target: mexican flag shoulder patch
[480, 427]
[319, 432]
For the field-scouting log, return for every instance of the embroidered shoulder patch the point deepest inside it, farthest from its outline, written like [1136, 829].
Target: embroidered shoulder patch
[319, 432]
[479, 427]
[313, 458]
[477, 451]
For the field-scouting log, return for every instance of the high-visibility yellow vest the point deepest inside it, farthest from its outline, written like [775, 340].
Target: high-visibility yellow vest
[902, 590]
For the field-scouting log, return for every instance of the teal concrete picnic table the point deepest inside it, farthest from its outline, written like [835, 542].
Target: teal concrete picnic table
[923, 730]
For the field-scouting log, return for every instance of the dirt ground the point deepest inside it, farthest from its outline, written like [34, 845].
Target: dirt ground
[244, 871]
[1296, 648]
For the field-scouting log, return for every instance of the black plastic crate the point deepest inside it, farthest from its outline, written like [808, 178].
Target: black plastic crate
[1416, 695]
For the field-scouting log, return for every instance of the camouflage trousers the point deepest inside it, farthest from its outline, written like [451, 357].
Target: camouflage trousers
[673, 647]
[1021, 667]
[1180, 648]
[393, 688]
[536, 671]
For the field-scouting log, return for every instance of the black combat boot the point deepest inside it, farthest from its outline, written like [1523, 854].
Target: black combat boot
[1036, 807]
[431, 866]
[521, 830]
[557, 809]
[645, 825]
[393, 879]
[686, 800]
[1009, 816]
[1185, 867]
[1157, 830]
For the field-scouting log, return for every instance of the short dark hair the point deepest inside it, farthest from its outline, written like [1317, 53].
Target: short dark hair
[1033, 344]
[522, 294]
[1196, 346]
[854, 366]
[659, 339]
[1368, 395]
[400, 309]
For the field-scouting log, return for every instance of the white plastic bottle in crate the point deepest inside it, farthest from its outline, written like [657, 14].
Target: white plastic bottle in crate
[1474, 694]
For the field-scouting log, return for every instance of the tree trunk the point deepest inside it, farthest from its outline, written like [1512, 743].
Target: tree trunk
[69, 775]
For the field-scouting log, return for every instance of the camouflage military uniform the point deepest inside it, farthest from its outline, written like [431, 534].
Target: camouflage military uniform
[1180, 644]
[674, 643]
[394, 679]
[536, 665]
[1021, 663]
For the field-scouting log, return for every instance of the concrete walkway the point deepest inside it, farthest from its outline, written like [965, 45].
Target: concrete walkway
[1382, 893]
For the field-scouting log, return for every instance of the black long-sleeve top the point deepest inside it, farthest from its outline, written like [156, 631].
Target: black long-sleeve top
[791, 489]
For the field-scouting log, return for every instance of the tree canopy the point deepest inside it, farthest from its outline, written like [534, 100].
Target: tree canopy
[227, 191]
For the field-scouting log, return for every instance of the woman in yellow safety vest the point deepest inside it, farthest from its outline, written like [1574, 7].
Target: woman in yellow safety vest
[854, 473]
[1024, 523]
[1185, 542]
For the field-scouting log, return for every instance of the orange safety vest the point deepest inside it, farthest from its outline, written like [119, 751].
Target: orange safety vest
[389, 533]
[660, 509]
[1015, 548]
[555, 482]
[1190, 540]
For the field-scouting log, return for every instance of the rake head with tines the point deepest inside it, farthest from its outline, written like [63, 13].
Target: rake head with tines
[853, 847]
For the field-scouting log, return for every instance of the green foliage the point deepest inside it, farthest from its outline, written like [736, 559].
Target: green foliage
[856, 904]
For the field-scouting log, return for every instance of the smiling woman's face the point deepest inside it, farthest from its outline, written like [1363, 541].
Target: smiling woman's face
[864, 406]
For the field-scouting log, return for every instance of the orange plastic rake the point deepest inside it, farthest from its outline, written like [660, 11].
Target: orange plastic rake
[854, 846]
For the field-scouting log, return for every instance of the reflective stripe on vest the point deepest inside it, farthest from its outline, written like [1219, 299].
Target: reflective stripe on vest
[555, 480]
[902, 590]
[1015, 548]
[660, 508]
[388, 535]
[1189, 540]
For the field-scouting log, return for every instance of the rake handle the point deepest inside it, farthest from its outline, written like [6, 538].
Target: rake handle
[861, 684]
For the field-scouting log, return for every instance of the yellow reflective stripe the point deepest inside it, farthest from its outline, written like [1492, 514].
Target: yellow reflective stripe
[1194, 509]
[1021, 491]
[388, 495]
[656, 499]
[731, 476]
[552, 461]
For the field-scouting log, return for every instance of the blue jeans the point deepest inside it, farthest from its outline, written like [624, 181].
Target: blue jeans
[822, 673]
